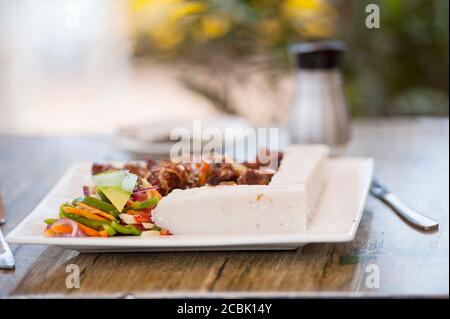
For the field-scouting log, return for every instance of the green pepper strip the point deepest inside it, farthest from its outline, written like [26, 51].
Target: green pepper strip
[109, 230]
[61, 210]
[102, 195]
[115, 213]
[96, 224]
[50, 221]
[142, 205]
[126, 230]
[96, 203]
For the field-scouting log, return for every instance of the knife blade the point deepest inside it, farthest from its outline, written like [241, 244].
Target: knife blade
[2, 211]
[6, 258]
[411, 216]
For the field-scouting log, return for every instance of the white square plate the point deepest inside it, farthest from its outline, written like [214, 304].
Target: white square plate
[336, 220]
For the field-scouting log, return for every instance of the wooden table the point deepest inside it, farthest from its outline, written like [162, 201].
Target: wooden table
[412, 157]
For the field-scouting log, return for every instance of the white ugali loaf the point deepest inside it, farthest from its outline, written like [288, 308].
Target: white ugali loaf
[284, 206]
[304, 165]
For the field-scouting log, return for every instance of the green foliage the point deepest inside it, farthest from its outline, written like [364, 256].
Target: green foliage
[402, 67]
[399, 69]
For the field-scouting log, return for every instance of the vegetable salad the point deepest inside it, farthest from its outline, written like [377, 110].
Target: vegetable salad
[120, 203]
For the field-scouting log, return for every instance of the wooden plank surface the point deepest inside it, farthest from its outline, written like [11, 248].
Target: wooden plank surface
[411, 157]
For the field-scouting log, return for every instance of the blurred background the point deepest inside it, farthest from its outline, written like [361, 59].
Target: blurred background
[91, 66]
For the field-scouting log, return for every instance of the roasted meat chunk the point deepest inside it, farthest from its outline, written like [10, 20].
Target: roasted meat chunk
[221, 172]
[255, 177]
[140, 170]
[100, 168]
[168, 175]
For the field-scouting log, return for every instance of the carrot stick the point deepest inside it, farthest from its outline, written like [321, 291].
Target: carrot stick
[89, 231]
[154, 193]
[203, 173]
[103, 233]
[96, 211]
[129, 203]
[133, 212]
[82, 212]
[65, 229]
[50, 232]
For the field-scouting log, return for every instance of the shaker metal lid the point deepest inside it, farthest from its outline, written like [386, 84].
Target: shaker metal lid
[317, 54]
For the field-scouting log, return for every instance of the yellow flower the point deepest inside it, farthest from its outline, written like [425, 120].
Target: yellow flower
[311, 18]
[302, 5]
[186, 9]
[161, 20]
[137, 5]
[215, 26]
[142, 5]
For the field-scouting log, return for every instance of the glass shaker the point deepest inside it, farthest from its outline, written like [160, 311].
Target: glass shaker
[319, 113]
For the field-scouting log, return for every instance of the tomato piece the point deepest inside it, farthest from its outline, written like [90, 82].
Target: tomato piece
[149, 211]
[165, 232]
[142, 218]
[139, 196]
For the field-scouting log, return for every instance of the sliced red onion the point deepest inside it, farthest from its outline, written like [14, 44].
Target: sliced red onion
[79, 233]
[86, 191]
[145, 189]
[75, 229]
[139, 196]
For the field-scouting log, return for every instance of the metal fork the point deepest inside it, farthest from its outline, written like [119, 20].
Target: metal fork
[6, 257]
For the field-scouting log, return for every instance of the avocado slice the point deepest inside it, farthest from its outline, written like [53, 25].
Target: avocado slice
[117, 186]
[116, 195]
